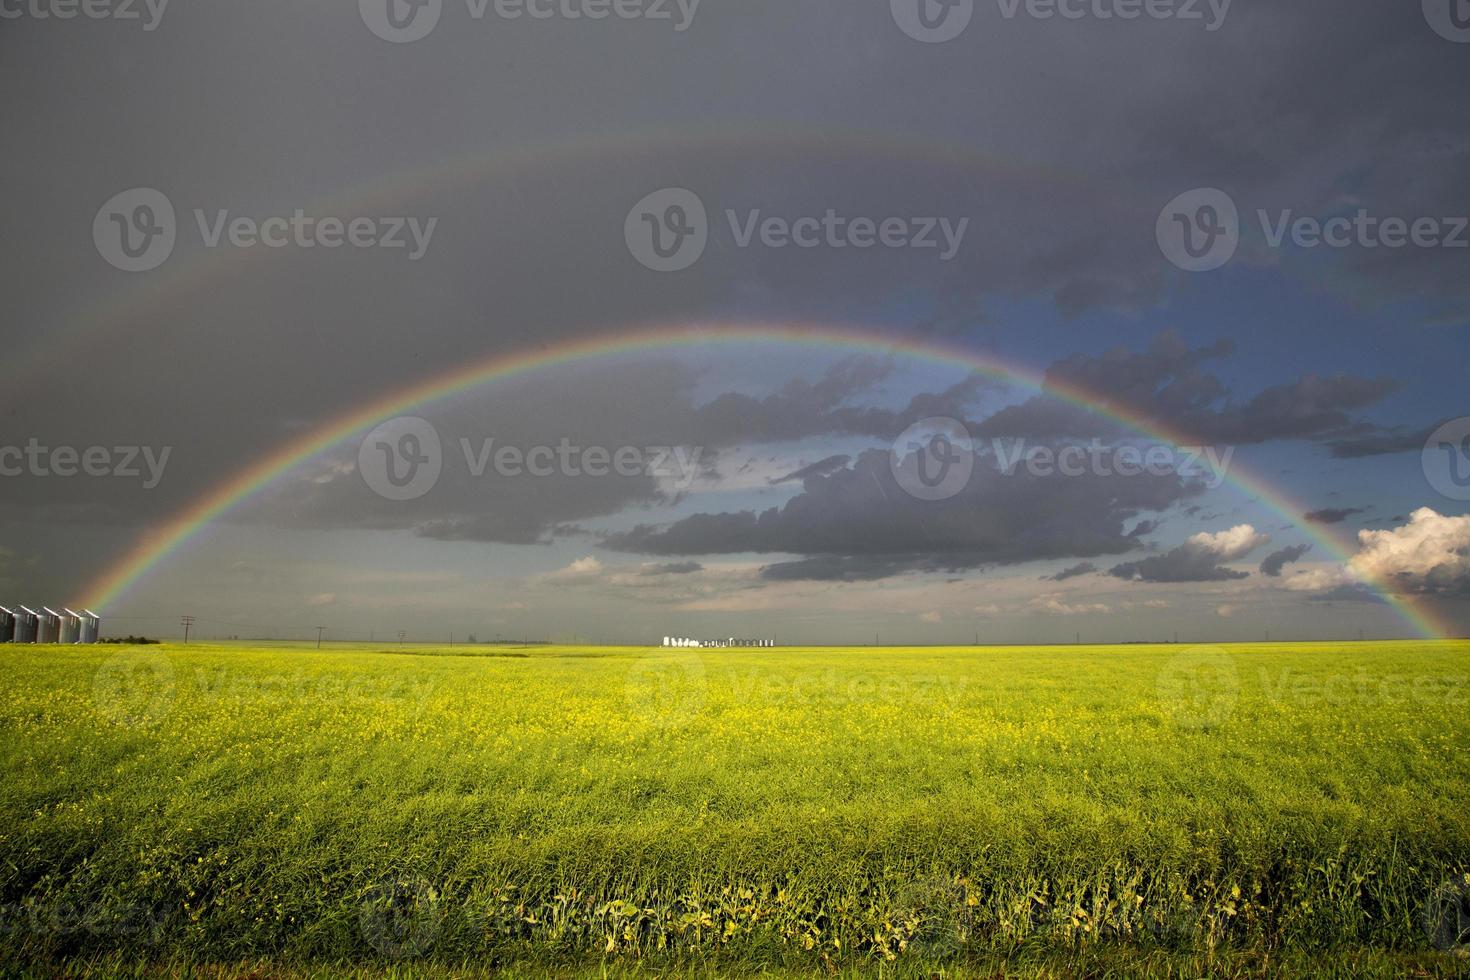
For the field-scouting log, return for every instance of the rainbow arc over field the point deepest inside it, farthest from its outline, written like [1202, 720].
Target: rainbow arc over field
[159, 543]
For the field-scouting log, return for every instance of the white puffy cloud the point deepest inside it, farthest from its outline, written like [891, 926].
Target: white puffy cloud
[1230, 545]
[1429, 555]
[1318, 579]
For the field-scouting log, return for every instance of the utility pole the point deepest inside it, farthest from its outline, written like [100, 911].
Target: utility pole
[186, 622]
[319, 631]
[401, 635]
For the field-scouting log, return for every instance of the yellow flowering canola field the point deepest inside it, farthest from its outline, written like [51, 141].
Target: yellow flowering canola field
[820, 808]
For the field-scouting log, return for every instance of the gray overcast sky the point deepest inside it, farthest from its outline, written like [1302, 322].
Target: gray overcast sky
[227, 225]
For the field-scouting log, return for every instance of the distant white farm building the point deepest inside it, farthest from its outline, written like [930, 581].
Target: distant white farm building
[731, 641]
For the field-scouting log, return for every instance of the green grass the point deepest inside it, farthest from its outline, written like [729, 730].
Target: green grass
[1166, 811]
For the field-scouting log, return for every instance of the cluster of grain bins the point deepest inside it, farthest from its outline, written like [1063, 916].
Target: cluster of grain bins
[26, 625]
[684, 641]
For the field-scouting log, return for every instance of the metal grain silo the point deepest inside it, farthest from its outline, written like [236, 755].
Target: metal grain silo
[91, 626]
[71, 627]
[25, 625]
[49, 628]
[7, 625]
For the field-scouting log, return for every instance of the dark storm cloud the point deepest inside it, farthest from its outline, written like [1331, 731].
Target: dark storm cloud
[1167, 381]
[803, 408]
[1382, 442]
[1200, 559]
[672, 568]
[1273, 563]
[529, 248]
[1355, 592]
[1183, 564]
[1332, 515]
[820, 468]
[859, 523]
[850, 568]
[1078, 570]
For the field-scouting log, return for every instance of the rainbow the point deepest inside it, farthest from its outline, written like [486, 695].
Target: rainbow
[159, 543]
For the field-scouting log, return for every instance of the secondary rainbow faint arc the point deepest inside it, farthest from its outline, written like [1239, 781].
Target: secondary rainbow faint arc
[185, 274]
[157, 545]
